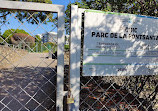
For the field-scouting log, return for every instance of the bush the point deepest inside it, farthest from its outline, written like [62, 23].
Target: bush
[50, 46]
[17, 39]
[66, 47]
[9, 33]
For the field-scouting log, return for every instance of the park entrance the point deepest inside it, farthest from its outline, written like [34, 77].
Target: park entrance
[31, 57]
[32, 64]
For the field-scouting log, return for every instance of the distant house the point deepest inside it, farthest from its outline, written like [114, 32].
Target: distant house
[52, 37]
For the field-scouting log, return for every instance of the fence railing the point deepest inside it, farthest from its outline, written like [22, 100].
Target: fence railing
[32, 81]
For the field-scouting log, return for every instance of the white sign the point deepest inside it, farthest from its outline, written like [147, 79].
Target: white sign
[118, 44]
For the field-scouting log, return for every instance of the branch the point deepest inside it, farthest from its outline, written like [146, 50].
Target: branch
[5, 14]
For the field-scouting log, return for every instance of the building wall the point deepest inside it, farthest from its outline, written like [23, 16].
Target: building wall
[52, 37]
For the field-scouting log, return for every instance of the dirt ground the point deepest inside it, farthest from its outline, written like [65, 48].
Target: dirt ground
[29, 84]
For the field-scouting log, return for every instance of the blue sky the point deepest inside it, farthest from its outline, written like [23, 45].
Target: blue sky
[63, 2]
[33, 29]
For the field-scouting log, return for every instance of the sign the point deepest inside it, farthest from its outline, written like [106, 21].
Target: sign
[117, 44]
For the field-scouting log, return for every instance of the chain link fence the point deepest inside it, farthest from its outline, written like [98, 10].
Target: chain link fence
[117, 93]
[133, 93]
[28, 72]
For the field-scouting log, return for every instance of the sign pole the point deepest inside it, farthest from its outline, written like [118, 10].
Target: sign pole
[75, 53]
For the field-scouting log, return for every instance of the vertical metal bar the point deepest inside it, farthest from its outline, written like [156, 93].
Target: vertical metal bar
[41, 47]
[29, 46]
[75, 52]
[36, 46]
[60, 57]
[20, 45]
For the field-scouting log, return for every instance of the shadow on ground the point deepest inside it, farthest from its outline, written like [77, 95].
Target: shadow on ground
[26, 88]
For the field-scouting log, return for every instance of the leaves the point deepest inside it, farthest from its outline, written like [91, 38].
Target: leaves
[36, 17]
[9, 33]
[143, 7]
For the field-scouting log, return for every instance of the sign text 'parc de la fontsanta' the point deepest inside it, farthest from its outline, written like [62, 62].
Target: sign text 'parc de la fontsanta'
[118, 44]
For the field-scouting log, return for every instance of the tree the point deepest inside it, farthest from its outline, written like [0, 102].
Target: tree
[24, 39]
[9, 33]
[37, 38]
[36, 17]
[143, 7]
[32, 17]
[67, 13]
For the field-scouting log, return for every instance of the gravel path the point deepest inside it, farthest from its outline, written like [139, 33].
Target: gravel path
[35, 60]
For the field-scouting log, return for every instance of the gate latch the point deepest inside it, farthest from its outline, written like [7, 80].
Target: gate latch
[70, 99]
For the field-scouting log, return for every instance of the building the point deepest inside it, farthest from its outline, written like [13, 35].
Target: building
[52, 37]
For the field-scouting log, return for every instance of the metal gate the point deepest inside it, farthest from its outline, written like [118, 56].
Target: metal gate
[108, 93]
[31, 57]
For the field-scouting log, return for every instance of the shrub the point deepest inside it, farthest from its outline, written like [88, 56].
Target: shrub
[50, 47]
[17, 38]
[9, 33]
[67, 47]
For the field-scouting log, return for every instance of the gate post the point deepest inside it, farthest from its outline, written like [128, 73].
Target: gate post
[60, 57]
[75, 54]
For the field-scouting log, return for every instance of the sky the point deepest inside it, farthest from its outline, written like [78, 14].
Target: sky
[63, 2]
[12, 23]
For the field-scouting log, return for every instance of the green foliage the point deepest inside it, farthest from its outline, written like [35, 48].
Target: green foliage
[50, 43]
[67, 13]
[21, 31]
[37, 38]
[67, 19]
[66, 47]
[50, 46]
[1, 41]
[37, 47]
[36, 17]
[9, 33]
[143, 7]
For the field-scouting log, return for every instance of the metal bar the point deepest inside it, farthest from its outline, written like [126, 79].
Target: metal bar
[75, 52]
[36, 46]
[60, 57]
[16, 5]
[41, 47]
